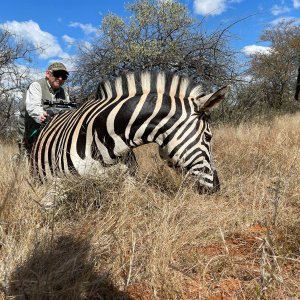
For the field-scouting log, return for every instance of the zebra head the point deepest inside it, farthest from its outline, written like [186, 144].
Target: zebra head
[190, 149]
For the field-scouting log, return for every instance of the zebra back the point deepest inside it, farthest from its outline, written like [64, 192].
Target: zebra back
[145, 81]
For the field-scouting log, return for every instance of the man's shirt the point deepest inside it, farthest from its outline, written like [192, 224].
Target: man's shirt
[34, 105]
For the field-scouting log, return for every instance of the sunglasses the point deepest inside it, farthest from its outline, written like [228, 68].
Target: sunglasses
[60, 74]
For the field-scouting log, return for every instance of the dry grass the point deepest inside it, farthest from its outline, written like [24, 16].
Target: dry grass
[152, 237]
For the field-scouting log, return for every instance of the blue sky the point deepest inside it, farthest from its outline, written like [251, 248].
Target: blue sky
[59, 25]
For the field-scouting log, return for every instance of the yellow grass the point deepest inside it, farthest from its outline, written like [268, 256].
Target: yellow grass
[152, 237]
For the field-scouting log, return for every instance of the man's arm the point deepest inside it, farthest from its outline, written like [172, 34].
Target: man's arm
[34, 103]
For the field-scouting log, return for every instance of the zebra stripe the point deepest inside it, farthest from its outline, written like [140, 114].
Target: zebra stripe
[136, 108]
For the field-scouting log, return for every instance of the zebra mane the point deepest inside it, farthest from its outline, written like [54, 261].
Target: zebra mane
[134, 83]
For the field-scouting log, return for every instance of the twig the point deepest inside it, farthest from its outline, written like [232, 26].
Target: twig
[224, 242]
[131, 259]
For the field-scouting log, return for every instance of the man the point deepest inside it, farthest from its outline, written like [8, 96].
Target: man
[39, 96]
[298, 86]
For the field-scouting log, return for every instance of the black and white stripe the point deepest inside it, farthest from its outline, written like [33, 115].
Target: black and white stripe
[134, 109]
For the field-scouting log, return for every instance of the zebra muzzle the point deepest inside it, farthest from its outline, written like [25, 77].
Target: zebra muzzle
[216, 182]
[209, 187]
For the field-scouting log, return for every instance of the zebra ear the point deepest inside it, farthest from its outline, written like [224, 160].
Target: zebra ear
[207, 102]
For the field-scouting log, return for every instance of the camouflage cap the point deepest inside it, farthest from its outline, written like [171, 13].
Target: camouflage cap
[57, 66]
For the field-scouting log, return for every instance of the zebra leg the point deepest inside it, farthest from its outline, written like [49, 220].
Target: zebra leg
[55, 194]
[130, 161]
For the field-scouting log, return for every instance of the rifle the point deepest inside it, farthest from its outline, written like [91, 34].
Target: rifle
[60, 104]
[58, 108]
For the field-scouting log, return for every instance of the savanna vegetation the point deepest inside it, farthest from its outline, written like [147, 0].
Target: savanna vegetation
[152, 236]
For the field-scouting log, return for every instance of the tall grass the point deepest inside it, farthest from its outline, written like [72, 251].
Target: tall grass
[153, 237]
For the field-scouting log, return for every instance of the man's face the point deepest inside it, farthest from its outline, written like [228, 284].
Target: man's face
[56, 78]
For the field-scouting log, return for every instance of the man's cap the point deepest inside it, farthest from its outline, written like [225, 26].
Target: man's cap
[57, 66]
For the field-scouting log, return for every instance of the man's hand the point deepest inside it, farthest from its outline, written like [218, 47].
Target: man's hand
[43, 117]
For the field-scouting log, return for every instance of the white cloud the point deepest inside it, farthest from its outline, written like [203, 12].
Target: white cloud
[254, 49]
[278, 10]
[30, 31]
[209, 7]
[212, 7]
[86, 28]
[69, 40]
[296, 3]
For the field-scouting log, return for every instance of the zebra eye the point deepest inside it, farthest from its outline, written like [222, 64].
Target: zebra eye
[207, 137]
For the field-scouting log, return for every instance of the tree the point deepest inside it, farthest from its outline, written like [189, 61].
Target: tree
[274, 73]
[12, 78]
[157, 35]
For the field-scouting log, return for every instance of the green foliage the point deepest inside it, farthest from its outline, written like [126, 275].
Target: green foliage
[269, 86]
[274, 73]
[152, 36]
[157, 34]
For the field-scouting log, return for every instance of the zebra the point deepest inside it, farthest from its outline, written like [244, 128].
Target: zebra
[135, 108]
